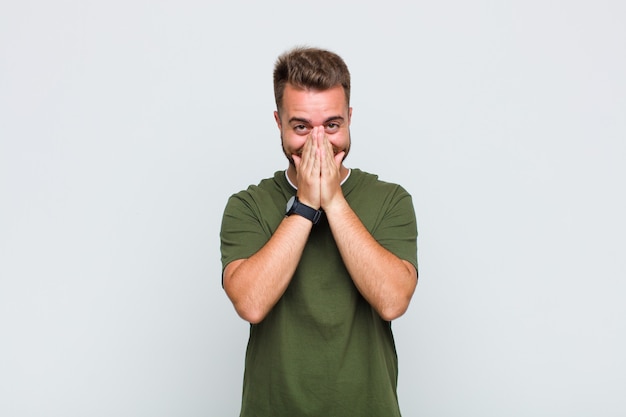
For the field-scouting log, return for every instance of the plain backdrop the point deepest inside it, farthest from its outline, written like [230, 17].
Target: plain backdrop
[125, 126]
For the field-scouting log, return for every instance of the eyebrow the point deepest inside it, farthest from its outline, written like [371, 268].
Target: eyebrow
[302, 120]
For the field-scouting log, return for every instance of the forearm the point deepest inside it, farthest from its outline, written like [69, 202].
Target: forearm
[385, 281]
[255, 285]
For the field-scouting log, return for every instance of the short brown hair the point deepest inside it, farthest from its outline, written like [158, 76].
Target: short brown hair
[310, 68]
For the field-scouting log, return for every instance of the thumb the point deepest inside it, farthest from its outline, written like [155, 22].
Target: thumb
[339, 157]
[297, 159]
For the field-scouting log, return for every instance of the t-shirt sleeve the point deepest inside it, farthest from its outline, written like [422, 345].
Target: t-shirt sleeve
[242, 234]
[249, 221]
[397, 231]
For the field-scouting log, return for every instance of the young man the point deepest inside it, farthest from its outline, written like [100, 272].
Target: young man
[319, 259]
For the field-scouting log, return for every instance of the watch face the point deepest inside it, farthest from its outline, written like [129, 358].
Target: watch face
[290, 203]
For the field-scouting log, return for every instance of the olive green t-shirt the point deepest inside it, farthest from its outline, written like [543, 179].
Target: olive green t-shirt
[322, 350]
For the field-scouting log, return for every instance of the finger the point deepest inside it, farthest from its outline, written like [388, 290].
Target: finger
[328, 154]
[315, 150]
[308, 157]
[339, 158]
[297, 161]
[312, 163]
[319, 135]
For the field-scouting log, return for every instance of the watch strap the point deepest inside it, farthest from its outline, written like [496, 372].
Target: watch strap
[305, 211]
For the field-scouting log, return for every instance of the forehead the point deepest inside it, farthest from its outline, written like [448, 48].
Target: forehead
[313, 104]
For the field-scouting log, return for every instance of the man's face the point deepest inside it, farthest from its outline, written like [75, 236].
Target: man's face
[302, 110]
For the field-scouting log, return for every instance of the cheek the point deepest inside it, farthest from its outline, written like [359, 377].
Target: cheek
[340, 140]
[293, 142]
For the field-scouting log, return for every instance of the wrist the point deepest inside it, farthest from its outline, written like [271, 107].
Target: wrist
[336, 205]
[295, 206]
[307, 202]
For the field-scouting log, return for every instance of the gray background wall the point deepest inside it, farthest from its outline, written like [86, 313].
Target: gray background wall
[125, 125]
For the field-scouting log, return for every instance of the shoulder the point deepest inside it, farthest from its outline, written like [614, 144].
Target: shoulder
[261, 200]
[267, 186]
[371, 184]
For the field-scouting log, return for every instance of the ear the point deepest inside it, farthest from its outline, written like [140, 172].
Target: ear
[349, 115]
[277, 118]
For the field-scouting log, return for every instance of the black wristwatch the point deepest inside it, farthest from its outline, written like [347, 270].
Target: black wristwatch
[294, 206]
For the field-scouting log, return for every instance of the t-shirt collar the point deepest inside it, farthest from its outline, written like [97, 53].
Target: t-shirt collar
[294, 185]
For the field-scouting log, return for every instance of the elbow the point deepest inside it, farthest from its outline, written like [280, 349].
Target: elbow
[398, 304]
[250, 314]
[246, 307]
[393, 312]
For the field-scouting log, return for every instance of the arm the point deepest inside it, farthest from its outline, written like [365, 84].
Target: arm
[385, 281]
[254, 285]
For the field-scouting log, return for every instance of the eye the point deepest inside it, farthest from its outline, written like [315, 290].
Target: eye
[332, 127]
[301, 129]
